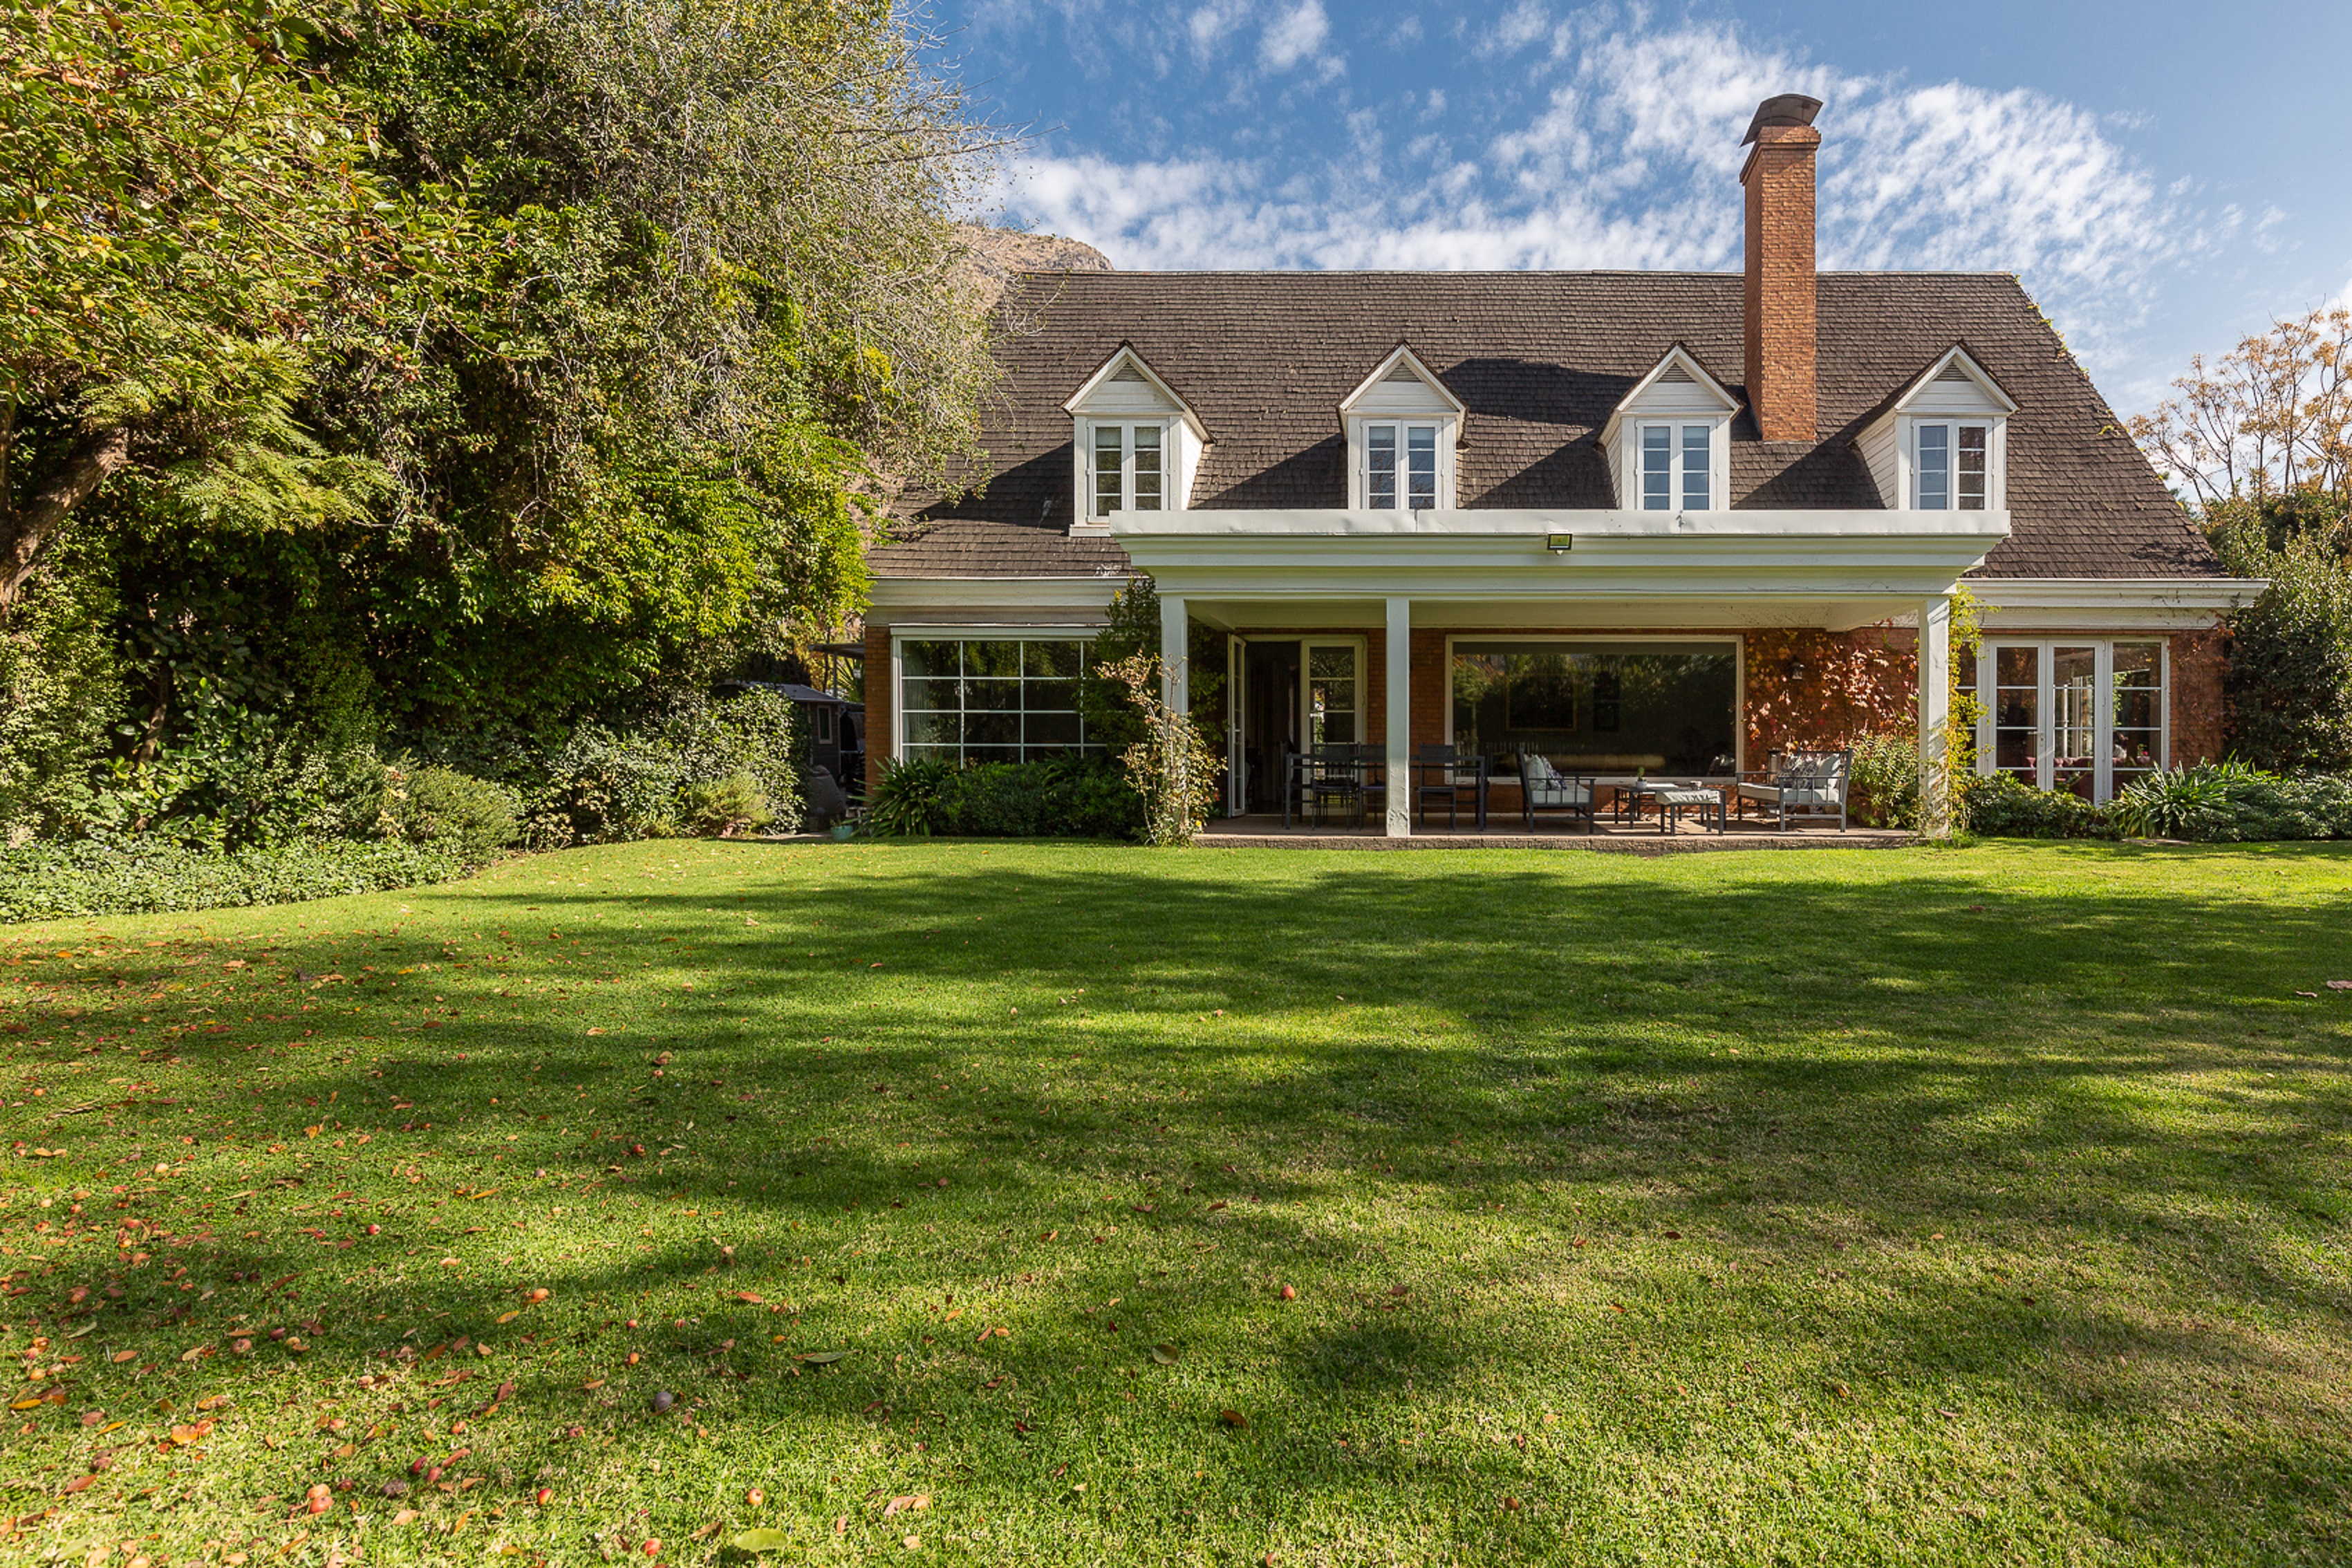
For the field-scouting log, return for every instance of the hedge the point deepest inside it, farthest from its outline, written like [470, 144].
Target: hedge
[51, 881]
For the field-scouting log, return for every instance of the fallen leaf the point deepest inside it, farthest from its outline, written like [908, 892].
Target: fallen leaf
[821, 1358]
[763, 1540]
[120, 1356]
[707, 1531]
[1164, 1354]
[2340, 985]
[915, 1504]
[1232, 1418]
[509, 1316]
[751, 1295]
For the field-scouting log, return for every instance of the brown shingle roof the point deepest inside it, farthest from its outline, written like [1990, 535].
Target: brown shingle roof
[1540, 358]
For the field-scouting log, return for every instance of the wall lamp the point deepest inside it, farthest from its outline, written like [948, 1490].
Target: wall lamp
[1560, 543]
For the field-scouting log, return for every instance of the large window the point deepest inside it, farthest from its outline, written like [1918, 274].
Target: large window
[1598, 707]
[1129, 472]
[1677, 463]
[2075, 714]
[1399, 467]
[993, 701]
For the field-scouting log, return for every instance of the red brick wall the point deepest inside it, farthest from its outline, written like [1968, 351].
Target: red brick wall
[1806, 688]
[2199, 716]
[1779, 284]
[880, 692]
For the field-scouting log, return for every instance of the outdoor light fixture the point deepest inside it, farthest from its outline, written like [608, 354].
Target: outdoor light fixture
[1560, 543]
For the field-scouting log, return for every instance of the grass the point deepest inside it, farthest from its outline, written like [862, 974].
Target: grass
[1979, 1206]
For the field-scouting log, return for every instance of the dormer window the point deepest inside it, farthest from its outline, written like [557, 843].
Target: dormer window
[1402, 425]
[1668, 440]
[1677, 466]
[1951, 466]
[1399, 467]
[1942, 445]
[1136, 444]
[1128, 471]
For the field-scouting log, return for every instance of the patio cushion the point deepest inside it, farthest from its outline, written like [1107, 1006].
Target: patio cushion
[1540, 769]
[1558, 791]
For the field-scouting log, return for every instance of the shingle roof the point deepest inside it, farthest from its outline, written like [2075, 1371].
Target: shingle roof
[1540, 358]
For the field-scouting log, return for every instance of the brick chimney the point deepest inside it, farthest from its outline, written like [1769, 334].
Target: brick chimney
[1778, 180]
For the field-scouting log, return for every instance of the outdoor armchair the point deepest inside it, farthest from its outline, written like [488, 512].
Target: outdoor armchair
[1543, 787]
[1805, 784]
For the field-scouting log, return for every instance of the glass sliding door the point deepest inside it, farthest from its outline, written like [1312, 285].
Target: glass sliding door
[2074, 721]
[1597, 707]
[1333, 693]
[2017, 712]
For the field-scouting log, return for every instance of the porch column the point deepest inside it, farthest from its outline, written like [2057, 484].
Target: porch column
[1935, 709]
[1400, 718]
[1175, 640]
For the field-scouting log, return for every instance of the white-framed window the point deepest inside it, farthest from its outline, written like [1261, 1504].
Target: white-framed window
[1128, 467]
[1677, 466]
[1952, 465]
[1403, 465]
[992, 696]
[2083, 714]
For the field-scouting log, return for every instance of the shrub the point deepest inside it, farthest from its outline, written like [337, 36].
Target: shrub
[1885, 780]
[1171, 767]
[914, 799]
[50, 881]
[723, 807]
[2001, 806]
[2290, 672]
[605, 784]
[470, 817]
[1063, 797]
[2233, 803]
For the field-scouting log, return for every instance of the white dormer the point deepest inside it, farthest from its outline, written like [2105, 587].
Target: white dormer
[1668, 440]
[1943, 445]
[1138, 445]
[1403, 426]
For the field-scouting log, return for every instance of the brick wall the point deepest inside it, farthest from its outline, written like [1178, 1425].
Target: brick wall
[880, 693]
[2200, 715]
[1779, 301]
[1806, 688]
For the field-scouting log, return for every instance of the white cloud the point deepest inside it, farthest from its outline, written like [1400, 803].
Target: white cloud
[1633, 160]
[1211, 23]
[1294, 36]
[1522, 24]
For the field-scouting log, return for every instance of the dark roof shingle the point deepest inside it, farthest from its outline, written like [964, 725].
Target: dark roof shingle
[1540, 359]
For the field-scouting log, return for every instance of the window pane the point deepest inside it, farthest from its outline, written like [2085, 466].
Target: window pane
[1057, 730]
[1001, 696]
[928, 753]
[991, 730]
[1657, 467]
[1051, 695]
[992, 659]
[977, 754]
[1421, 465]
[930, 658]
[2016, 711]
[1934, 466]
[1698, 445]
[1055, 658]
[1147, 468]
[2136, 750]
[2073, 718]
[925, 731]
[1973, 467]
[1379, 468]
[932, 697]
[1110, 450]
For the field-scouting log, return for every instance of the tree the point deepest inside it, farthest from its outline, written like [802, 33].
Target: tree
[2290, 676]
[186, 193]
[2271, 418]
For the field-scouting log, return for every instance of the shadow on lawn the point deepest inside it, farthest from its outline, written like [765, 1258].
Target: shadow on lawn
[2073, 1077]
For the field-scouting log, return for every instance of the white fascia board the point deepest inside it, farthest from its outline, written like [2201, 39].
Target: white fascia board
[1404, 355]
[1126, 355]
[1241, 529]
[1698, 372]
[2097, 603]
[1023, 595]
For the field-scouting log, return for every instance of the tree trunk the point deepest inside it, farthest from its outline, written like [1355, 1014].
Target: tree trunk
[25, 531]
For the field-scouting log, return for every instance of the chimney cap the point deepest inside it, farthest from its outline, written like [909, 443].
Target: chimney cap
[1783, 108]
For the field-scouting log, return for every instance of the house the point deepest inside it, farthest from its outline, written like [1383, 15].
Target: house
[1630, 521]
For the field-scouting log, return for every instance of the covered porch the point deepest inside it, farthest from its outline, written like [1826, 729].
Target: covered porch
[1603, 647]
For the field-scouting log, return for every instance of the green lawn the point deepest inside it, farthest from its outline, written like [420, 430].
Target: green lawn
[1979, 1206]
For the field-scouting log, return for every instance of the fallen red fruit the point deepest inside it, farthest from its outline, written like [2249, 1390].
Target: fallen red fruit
[1290, 1292]
[653, 1548]
[376, 1230]
[546, 1496]
[755, 1496]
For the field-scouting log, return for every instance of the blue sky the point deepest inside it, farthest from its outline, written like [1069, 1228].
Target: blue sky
[2164, 177]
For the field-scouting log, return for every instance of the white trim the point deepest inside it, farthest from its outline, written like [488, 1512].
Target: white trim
[1737, 644]
[1728, 405]
[1448, 430]
[1401, 355]
[1537, 524]
[1124, 353]
[1627, 466]
[1010, 594]
[1396, 710]
[960, 631]
[2045, 702]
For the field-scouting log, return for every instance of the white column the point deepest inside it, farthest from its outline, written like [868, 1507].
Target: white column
[1935, 707]
[1400, 720]
[1175, 683]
